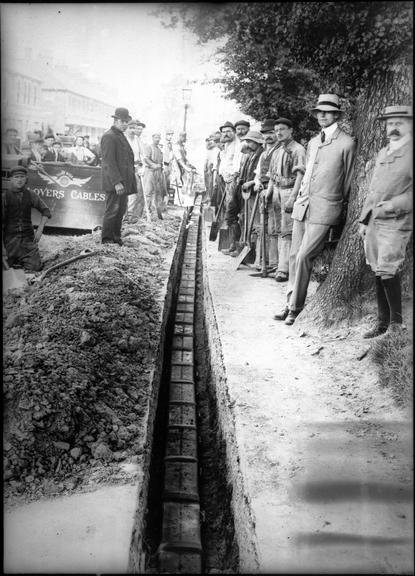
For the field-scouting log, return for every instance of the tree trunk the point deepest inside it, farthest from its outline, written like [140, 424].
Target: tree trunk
[340, 295]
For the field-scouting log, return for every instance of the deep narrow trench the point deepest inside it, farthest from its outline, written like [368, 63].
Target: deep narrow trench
[217, 532]
[220, 549]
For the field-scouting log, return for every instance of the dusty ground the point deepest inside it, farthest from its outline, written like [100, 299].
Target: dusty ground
[325, 451]
[79, 350]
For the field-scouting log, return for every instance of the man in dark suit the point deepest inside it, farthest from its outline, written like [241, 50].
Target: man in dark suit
[54, 155]
[118, 176]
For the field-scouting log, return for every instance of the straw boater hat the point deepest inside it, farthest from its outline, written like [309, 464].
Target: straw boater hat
[396, 112]
[327, 103]
[254, 136]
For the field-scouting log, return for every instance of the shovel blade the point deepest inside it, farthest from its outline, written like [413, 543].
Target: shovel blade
[214, 229]
[241, 257]
[12, 279]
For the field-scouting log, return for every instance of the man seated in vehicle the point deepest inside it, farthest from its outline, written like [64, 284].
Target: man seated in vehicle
[54, 155]
[19, 242]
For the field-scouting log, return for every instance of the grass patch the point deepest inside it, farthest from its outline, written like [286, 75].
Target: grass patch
[393, 354]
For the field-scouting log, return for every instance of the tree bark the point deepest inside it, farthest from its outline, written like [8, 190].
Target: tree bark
[349, 277]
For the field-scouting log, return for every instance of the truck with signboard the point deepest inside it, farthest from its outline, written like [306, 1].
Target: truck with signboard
[72, 192]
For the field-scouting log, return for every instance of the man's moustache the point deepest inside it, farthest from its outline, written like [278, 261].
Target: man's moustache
[394, 133]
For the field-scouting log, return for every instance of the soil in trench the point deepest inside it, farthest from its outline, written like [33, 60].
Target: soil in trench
[78, 355]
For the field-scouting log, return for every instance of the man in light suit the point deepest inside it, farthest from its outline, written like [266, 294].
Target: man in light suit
[386, 218]
[324, 190]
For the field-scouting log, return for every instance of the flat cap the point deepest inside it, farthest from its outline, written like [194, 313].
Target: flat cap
[242, 123]
[18, 170]
[285, 121]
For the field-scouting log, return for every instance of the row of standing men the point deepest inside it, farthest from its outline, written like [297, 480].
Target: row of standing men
[138, 177]
[305, 195]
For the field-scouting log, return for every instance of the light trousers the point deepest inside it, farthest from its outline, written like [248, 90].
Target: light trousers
[312, 244]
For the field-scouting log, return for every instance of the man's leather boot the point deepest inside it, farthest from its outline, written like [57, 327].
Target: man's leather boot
[292, 315]
[392, 287]
[383, 312]
[283, 314]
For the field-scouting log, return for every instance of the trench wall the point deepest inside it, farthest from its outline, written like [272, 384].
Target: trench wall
[137, 556]
[243, 518]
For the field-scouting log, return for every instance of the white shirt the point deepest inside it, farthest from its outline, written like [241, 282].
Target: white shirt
[228, 160]
[312, 149]
[82, 153]
[135, 145]
[212, 157]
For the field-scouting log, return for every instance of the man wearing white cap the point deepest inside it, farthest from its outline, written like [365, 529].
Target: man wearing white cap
[251, 150]
[386, 218]
[324, 190]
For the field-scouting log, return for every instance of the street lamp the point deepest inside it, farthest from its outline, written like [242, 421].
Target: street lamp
[187, 92]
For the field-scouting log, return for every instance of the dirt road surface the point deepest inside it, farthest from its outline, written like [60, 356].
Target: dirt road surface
[325, 454]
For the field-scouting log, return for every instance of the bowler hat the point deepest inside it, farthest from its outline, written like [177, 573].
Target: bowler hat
[140, 123]
[396, 112]
[254, 136]
[227, 125]
[121, 114]
[242, 123]
[285, 121]
[268, 125]
[327, 103]
[18, 170]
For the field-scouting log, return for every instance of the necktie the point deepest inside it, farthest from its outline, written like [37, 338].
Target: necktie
[323, 136]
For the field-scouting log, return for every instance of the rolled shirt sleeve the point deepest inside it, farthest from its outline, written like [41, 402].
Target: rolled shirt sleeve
[39, 204]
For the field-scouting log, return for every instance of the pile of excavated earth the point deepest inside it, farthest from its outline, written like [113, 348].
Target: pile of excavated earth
[79, 347]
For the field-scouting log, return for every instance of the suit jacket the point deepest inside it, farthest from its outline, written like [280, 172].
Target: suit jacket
[51, 157]
[391, 181]
[331, 178]
[117, 162]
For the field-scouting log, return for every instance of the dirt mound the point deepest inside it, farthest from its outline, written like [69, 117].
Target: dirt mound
[79, 350]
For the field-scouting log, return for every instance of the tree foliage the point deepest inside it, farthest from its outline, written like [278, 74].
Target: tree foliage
[278, 56]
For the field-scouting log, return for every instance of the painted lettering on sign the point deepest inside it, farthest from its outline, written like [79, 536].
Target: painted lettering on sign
[48, 193]
[92, 196]
[72, 192]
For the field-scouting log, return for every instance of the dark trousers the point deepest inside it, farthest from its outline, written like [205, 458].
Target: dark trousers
[115, 207]
[22, 251]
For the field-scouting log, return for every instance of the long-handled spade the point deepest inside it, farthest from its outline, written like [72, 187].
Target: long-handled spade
[264, 225]
[247, 248]
[214, 229]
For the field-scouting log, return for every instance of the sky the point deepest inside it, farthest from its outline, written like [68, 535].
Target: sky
[126, 47]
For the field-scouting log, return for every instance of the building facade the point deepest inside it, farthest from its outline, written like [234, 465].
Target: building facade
[56, 99]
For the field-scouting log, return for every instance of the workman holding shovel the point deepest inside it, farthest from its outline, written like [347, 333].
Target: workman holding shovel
[286, 172]
[261, 183]
[252, 148]
[20, 242]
